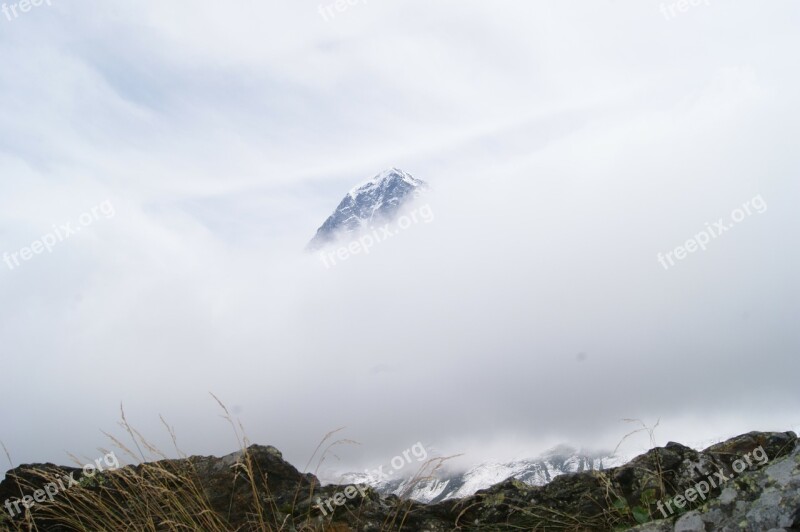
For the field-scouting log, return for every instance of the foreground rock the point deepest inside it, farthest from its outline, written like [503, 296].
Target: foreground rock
[763, 500]
[751, 482]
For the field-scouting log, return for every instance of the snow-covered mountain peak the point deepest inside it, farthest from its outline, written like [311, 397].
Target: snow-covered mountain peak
[377, 199]
[444, 485]
[383, 183]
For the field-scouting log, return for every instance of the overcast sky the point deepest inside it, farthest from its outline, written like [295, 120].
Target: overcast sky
[566, 143]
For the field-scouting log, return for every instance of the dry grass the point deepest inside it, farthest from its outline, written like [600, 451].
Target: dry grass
[162, 494]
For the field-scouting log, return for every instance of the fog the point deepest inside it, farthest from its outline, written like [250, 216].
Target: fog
[566, 145]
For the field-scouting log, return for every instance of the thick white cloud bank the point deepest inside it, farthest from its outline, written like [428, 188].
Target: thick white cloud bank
[567, 145]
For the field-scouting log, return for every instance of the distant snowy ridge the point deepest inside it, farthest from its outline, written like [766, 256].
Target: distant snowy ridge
[377, 200]
[536, 471]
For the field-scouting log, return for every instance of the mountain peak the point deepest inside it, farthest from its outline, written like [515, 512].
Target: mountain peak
[377, 199]
[444, 484]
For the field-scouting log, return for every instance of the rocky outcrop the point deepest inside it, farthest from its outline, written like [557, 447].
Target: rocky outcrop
[764, 500]
[751, 483]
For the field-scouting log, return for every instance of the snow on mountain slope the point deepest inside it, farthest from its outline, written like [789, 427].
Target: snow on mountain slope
[453, 485]
[377, 200]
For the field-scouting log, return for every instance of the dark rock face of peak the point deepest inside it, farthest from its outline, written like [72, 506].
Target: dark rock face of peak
[378, 199]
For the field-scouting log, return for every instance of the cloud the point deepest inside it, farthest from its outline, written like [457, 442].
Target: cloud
[566, 148]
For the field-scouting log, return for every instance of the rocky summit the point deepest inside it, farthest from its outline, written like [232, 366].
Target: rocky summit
[377, 200]
[748, 483]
